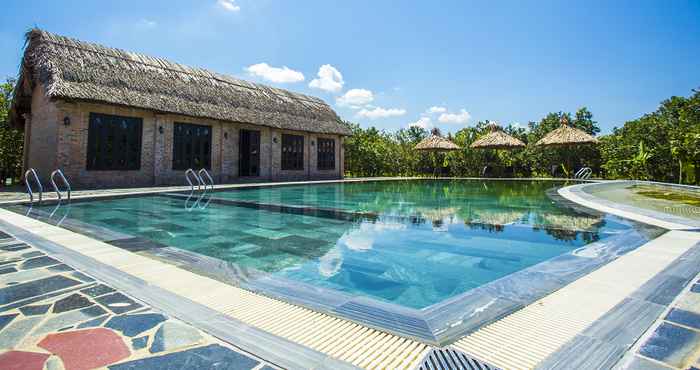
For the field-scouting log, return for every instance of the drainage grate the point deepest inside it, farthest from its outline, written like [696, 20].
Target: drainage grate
[449, 359]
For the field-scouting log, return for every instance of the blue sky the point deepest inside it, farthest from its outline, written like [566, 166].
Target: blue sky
[508, 61]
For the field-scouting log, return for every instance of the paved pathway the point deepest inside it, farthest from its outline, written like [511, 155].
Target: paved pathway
[673, 342]
[53, 317]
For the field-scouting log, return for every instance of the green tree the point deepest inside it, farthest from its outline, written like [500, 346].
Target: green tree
[671, 135]
[11, 139]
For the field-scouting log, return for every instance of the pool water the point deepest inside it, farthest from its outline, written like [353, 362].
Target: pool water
[413, 243]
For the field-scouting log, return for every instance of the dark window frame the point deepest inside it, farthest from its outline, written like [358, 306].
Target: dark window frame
[325, 157]
[292, 152]
[192, 144]
[114, 143]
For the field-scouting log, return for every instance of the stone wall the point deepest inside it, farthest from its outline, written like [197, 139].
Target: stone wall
[43, 135]
[55, 145]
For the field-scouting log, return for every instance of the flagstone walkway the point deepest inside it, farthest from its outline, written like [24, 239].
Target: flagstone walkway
[53, 317]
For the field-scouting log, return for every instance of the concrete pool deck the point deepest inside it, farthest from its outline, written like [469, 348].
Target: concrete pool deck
[539, 335]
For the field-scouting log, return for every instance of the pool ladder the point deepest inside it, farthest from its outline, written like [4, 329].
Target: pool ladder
[27, 182]
[199, 177]
[32, 175]
[584, 173]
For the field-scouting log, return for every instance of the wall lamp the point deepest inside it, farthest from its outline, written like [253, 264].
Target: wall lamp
[160, 129]
[225, 135]
[274, 140]
[66, 121]
[313, 143]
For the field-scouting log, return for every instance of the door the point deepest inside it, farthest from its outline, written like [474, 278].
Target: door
[249, 153]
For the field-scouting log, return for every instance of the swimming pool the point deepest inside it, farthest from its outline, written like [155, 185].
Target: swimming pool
[424, 253]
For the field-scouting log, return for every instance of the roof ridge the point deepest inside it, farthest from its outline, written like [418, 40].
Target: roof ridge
[211, 74]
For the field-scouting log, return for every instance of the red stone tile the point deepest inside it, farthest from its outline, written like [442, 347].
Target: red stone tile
[86, 349]
[20, 360]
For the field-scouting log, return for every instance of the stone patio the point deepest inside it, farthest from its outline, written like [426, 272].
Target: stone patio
[53, 317]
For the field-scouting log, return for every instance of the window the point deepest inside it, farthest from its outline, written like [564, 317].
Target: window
[114, 143]
[326, 154]
[191, 146]
[292, 152]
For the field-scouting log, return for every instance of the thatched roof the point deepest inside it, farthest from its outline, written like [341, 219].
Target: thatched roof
[497, 139]
[74, 70]
[435, 142]
[566, 135]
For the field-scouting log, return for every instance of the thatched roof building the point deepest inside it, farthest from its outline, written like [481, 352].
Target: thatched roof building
[109, 117]
[566, 135]
[74, 70]
[497, 139]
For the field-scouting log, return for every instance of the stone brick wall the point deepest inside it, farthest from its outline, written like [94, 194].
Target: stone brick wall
[55, 145]
[43, 135]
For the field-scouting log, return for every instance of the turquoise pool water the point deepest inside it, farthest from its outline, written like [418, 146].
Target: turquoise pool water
[413, 243]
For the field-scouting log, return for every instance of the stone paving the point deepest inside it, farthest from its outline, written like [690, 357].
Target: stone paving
[675, 341]
[53, 317]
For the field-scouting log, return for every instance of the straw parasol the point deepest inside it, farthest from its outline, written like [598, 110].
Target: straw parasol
[566, 135]
[435, 143]
[497, 139]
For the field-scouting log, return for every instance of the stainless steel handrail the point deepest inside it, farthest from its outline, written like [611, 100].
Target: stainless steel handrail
[584, 173]
[65, 182]
[587, 173]
[196, 177]
[211, 180]
[29, 187]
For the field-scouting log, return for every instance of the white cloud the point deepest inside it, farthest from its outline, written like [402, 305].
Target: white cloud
[329, 79]
[380, 112]
[355, 98]
[423, 122]
[274, 74]
[229, 5]
[148, 23]
[434, 109]
[518, 125]
[462, 117]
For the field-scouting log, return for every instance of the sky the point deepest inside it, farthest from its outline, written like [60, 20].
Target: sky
[393, 64]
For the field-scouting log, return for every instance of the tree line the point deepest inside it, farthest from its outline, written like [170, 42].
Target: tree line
[11, 139]
[662, 146]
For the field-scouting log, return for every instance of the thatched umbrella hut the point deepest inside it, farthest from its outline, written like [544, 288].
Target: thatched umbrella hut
[497, 139]
[566, 135]
[434, 144]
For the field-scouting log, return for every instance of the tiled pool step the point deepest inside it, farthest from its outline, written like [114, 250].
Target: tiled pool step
[332, 213]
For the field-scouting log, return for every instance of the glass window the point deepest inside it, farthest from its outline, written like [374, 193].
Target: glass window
[292, 152]
[326, 154]
[191, 146]
[114, 143]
